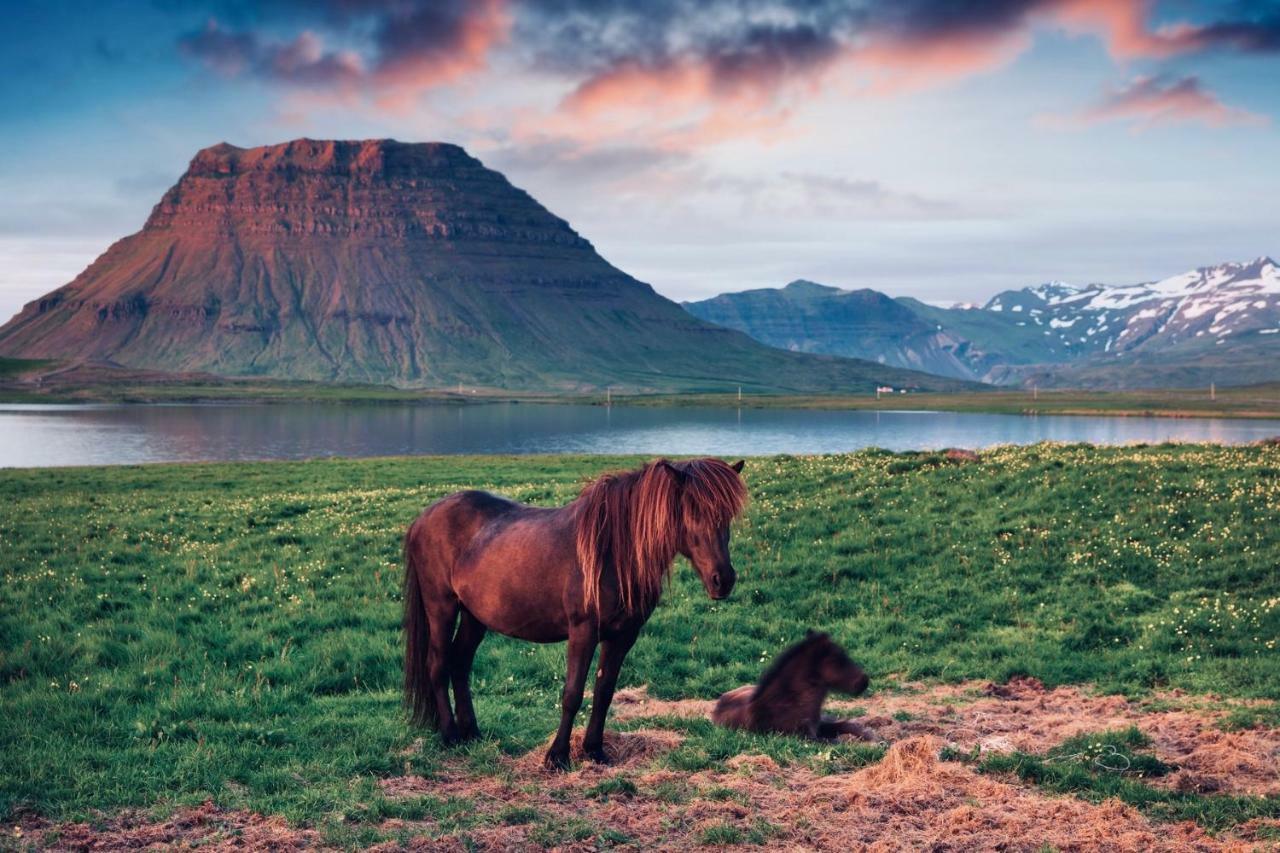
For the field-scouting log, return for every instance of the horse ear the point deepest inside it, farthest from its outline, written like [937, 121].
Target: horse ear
[737, 466]
[678, 473]
[809, 633]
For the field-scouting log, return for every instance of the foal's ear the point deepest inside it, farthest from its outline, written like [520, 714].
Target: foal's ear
[737, 466]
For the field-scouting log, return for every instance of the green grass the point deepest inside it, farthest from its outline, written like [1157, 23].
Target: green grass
[10, 367]
[1115, 765]
[123, 385]
[1254, 401]
[175, 633]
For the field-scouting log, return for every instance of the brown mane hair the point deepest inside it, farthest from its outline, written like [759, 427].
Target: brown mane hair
[635, 520]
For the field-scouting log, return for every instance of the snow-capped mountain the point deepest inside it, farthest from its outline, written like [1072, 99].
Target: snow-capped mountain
[1178, 316]
[1213, 324]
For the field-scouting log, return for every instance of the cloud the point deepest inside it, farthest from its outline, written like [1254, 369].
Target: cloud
[565, 160]
[686, 73]
[412, 47]
[301, 61]
[1152, 101]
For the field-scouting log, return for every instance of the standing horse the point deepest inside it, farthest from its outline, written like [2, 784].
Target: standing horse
[590, 572]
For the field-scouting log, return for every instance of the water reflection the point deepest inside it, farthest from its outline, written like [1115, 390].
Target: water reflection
[43, 435]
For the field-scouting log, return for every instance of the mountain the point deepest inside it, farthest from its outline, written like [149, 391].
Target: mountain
[1214, 324]
[866, 324]
[385, 262]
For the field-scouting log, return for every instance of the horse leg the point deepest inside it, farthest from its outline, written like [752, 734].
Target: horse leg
[582, 646]
[612, 652]
[470, 632]
[442, 615]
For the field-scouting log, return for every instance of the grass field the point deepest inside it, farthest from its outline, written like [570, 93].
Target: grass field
[176, 634]
[1253, 401]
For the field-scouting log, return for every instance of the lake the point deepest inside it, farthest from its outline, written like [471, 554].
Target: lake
[52, 435]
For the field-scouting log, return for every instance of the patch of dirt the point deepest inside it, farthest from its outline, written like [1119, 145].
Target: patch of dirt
[206, 826]
[909, 800]
[1024, 715]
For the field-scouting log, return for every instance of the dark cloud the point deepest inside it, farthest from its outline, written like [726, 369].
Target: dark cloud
[403, 43]
[302, 61]
[752, 45]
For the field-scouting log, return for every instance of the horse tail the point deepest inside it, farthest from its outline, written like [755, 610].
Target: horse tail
[418, 696]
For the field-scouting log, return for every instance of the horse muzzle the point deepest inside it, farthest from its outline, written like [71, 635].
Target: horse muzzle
[721, 582]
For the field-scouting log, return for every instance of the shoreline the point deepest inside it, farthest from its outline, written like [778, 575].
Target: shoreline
[97, 384]
[1177, 404]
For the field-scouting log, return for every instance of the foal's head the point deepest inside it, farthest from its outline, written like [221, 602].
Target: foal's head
[832, 667]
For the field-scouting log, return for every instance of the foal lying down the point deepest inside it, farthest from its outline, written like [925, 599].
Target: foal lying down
[788, 699]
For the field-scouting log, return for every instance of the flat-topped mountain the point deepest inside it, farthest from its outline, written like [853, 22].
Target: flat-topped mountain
[380, 261]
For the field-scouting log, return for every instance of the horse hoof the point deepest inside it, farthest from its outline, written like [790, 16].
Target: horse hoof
[471, 733]
[599, 756]
[556, 762]
[450, 737]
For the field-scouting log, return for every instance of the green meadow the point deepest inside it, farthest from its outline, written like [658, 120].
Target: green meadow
[176, 633]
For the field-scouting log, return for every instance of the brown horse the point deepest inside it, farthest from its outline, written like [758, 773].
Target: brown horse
[590, 572]
[788, 698]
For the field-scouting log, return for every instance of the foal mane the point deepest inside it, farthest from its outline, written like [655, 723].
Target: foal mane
[634, 521]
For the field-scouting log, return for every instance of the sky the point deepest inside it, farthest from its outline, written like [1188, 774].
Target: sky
[933, 148]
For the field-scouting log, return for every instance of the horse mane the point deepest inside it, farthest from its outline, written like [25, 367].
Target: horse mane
[634, 521]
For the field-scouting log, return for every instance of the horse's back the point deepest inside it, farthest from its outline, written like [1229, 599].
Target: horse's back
[733, 709]
[509, 564]
[446, 528]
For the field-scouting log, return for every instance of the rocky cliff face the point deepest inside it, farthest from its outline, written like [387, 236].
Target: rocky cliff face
[380, 261]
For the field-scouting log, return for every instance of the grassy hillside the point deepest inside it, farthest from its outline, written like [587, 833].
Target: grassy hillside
[172, 634]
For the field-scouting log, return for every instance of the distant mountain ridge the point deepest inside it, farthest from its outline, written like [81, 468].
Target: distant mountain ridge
[1213, 324]
[377, 261]
[809, 317]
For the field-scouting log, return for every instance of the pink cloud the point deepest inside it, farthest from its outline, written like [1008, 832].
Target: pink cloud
[1152, 101]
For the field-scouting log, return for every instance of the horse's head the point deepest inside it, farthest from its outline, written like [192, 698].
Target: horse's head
[834, 667]
[711, 496]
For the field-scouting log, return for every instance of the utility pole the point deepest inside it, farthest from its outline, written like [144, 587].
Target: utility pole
[739, 393]
[1035, 392]
[1213, 391]
[608, 397]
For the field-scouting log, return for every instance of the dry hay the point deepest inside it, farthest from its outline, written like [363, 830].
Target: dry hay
[625, 749]
[207, 826]
[1024, 715]
[909, 800]
[635, 702]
